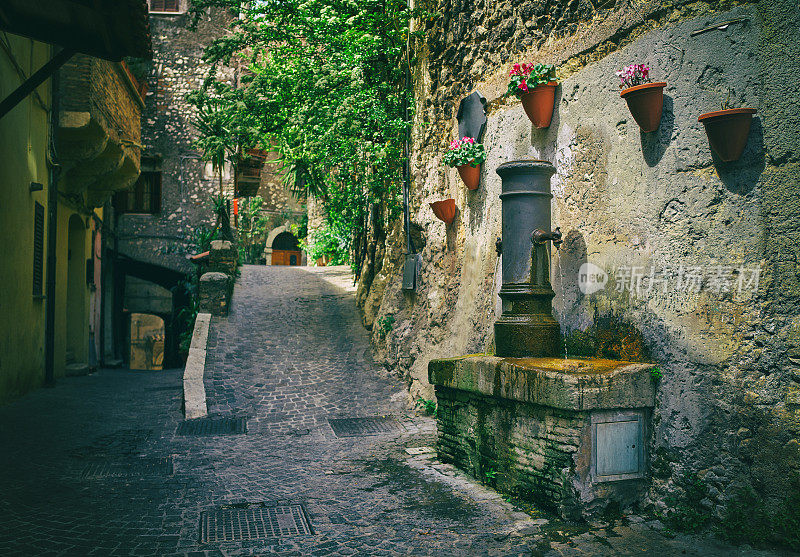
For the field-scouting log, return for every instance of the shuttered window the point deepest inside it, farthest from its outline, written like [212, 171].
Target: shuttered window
[144, 197]
[164, 5]
[38, 248]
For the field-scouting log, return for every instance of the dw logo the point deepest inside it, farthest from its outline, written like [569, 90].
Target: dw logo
[591, 278]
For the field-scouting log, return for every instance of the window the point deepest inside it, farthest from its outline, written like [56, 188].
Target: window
[144, 197]
[38, 248]
[165, 6]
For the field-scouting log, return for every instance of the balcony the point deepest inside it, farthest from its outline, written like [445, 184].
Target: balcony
[99, 129]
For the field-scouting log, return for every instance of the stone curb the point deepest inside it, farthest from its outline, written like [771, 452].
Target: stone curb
[194, 391]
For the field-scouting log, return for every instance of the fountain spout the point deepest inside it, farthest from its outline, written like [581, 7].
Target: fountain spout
[539, 236]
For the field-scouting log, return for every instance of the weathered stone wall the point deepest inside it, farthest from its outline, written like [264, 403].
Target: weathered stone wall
[481, 434]
[728, 406]
[168, 134]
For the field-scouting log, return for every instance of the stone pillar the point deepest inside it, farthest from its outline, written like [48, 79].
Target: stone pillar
[214, 293]
[223, 257]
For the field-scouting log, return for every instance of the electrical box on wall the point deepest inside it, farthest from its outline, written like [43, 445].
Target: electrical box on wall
[618, 446]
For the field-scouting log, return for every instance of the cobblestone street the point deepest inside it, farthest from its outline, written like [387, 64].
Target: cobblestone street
[96, 465]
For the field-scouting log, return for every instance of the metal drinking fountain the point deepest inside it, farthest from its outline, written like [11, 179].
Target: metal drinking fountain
[527, 326]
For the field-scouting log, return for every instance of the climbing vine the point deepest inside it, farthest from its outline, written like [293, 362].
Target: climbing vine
[322, 82]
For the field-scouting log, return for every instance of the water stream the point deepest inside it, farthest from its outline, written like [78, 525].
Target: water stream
[563, 303]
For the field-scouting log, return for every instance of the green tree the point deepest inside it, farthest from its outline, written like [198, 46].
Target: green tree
[323, 83]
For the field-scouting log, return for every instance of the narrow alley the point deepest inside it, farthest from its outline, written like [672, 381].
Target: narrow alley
[102, 464]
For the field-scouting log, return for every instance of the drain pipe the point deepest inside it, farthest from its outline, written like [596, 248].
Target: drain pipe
[52, 236]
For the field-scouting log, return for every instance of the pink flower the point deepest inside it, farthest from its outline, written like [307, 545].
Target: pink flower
[523, 86]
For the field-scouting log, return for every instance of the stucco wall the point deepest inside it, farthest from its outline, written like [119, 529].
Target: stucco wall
[23, 135]
[728, 405]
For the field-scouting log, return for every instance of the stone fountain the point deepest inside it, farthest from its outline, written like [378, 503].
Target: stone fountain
[568, 434]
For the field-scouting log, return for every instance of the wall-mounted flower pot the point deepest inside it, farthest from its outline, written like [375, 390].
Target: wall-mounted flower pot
[727, 131]
[538, 104]
[646, 102]
[470, 175]
[444, 210]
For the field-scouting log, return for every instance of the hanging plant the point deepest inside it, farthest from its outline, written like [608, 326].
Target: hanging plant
[467, 156]
[645, 98]
[535, 85]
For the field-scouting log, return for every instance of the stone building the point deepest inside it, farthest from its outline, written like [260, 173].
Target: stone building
[727, 407]
[68, 142]
[158, 221]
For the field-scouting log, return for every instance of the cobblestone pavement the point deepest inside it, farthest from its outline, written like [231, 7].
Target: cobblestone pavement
[95, 466]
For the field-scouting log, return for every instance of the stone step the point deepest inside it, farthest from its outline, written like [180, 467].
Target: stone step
[77, 369]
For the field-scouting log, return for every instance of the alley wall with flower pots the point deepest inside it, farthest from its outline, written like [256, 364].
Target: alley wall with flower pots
[728, 400]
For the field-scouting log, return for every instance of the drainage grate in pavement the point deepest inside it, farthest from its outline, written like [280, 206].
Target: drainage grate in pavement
[134, 467]
[122, 442]
[254, 521]
[359, 427]
[213, 426]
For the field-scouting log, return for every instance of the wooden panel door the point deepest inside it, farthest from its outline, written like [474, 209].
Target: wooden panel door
[285, 257]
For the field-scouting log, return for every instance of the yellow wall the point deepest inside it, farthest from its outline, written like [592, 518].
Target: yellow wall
[23, 147]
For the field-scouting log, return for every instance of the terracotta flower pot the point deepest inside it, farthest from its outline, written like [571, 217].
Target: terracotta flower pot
[538, 104]
[470, 175]
[444, 210]
[646, 102]
[727, 131]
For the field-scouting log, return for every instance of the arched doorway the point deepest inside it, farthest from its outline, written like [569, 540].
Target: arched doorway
[77, 337]
[285, 250]
[147, 341]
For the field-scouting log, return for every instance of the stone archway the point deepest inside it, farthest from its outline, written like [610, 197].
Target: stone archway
[286, 250]
[283, 257]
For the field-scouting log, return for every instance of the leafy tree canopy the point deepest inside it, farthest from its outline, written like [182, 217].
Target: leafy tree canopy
[322, 83]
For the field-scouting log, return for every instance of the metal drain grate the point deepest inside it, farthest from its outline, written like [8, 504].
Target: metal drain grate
[213, 426]
[255, 521]
[135, 467]
[359, 427]
[122, 442]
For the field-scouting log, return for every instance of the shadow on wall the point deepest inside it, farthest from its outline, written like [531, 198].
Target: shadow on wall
[571, 257]
[741, 176]
[476, 199]
[654, 144]
[606, 334]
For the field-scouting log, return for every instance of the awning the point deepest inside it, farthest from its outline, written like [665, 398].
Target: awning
[109, 29]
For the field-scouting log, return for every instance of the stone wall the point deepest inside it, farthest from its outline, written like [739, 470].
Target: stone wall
[728, 408]
[168, 134]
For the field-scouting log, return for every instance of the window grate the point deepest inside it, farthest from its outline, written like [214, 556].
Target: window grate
[38, 249]
[164, 5]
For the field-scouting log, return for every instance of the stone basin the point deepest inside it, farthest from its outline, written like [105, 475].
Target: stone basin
[565, 434]
[569, 384]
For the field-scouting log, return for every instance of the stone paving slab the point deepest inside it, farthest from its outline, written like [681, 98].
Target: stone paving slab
[290, 355]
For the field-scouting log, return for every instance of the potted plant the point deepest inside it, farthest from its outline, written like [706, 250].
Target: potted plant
[467, 156]
[727, 130]
[535, 85]
[645, 98]
[444, 210]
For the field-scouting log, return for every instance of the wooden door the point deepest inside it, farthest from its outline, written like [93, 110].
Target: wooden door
[286, 257]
